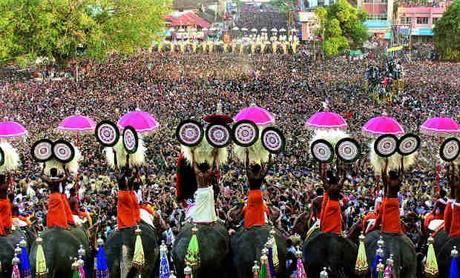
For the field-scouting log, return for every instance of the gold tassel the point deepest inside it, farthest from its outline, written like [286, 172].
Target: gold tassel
[361, 266]
[40, 261]
[431, 265]
[138, 258]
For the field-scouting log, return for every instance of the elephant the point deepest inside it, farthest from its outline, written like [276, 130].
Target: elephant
[119, 249]
[336, 253]
[400, 246]
[443, 252]
[246, 247]
[61, 247]
[8, 244]
[214, 249]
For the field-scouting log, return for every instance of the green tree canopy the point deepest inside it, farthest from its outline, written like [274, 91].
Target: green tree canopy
[61, 29]
[341, 26]
[447, 33]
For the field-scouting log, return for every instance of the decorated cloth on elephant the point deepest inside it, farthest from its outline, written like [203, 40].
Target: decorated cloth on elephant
[255, 212]
[455, 225]
[126, 217]
[56, 216]
[391, 221]
[6, 215]
[203, 210]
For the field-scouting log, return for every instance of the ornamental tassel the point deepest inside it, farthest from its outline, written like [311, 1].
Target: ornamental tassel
[453, 271]
[271, 267]
[81, 262]
[138, 258]
[164, 265]
[255, 270]
[75, 274]
[264, 265]
[24, 260]
[40, 261]
[188, 272]
[300, 270]
[380, 269]
[378, 258]
[361, 265]
[16, 273]
[431, 265]
[388, 273]
[276, 261]
[192, 258]
[102, 271]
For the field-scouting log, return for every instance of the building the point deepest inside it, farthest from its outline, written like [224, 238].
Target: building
[419, 20]
[215, 7]
[379, 16]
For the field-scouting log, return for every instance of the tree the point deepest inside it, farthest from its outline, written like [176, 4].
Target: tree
[63, 29]
[447, 33]
[341, 26]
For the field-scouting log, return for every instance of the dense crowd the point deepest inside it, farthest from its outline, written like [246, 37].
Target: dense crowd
[175, 87]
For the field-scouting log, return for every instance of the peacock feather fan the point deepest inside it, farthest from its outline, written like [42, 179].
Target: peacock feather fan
[394, 161]
[12, 160]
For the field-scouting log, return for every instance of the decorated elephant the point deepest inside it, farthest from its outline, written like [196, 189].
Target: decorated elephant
[328, 250]
[443, 253]
[399, 246]
[60, 247]
[247, 245]
[7, 247]
[120, 251]
[213, 250]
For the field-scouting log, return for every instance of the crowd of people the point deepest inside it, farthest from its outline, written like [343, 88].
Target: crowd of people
[173, 87]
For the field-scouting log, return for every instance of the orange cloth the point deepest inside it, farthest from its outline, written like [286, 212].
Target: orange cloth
[56, 212]
[455, 225]
[2, 229]
[125, 216]
[448, 216]
[323, 206]
[68, 211]
[6, 213]
[254, 212]
[135, 207]
[391, 221]
[332, 218]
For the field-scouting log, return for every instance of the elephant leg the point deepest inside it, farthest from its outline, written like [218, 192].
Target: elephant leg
[126, 262]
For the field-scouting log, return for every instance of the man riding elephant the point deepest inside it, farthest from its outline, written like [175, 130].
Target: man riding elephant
[62, 240]
[445, 242]
[396, 243]
[328, 248]
[249, 241]
[120, 246]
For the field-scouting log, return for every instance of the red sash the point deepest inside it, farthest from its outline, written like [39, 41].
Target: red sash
[125, 217]
[68, 211]
[254, 212]
[323, 206]
[332, 218]
[391, 221]
[56, 212]
[6, 215]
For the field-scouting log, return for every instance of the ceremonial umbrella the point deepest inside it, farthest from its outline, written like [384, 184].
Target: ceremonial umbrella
[326, 120]
[235, 28]
[141, 121]
[77, 123]
[440, 126]
[256, 114]
[11, 129]
[282, 30]
[382, 125]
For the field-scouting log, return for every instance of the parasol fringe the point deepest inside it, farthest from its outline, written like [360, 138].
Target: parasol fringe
[394, 161]
[12, 160]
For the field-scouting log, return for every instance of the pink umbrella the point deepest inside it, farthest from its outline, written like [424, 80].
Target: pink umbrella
[382, 125]
[10, 129]
[440, 126]
[77, 123]
[258, 115]
[326, 120]
[141, 121]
